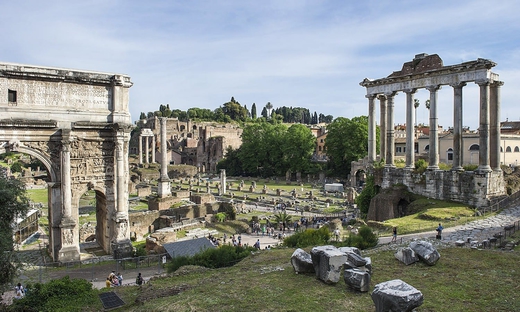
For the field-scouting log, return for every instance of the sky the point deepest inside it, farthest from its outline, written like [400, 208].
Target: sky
[293, 53]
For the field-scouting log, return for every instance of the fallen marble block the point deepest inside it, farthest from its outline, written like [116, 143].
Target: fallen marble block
[328, 261]
[425, 251]
[357, 279]
[302, 261]
[406, 255]
[396, 295]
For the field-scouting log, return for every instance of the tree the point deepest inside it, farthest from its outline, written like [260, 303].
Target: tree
[347, 141]
[298, 148]
[14, 204]
[264, 113]
[253, 111]
[142, 116]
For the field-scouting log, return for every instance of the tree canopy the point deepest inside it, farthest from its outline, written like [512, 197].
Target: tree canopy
[13, 204]
[347, 141]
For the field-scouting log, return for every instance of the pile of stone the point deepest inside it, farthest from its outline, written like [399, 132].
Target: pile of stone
[328, 261]
[418, 250]
[395, 295]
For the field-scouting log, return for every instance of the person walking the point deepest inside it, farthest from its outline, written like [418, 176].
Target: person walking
[394, 235]
[139, 279]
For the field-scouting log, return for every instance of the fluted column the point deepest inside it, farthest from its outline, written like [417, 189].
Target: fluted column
[120, 177]
[390, 145]
[382, 126]
[66, 188]
[434, 130]
[483, 163]
[494, 138]
[410, 128]
[371, 129]
[457, 126]
[140, 149]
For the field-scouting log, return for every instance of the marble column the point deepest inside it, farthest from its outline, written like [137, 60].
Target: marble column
[410, 128]
[66, 188]
[483, 163]
[371, 129]
[140, 149]
[146, 150]
[382, 126]
[433, 151]
[494, 138]
[390, 139]
[153, 149]
[457, 127]
[163, 187]
[120, 175]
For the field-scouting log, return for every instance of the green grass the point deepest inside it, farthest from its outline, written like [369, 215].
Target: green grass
[38, 195]
[427, 213]
[462, 280]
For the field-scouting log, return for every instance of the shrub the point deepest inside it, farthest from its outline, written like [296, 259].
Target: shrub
[365, 238]
[309, 237]
[420, 166]
[369, 191]
[62, 294]
[223, 256]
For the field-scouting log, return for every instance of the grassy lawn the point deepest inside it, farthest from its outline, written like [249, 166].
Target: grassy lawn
[38, 196]
[265, 281]
[428, 213]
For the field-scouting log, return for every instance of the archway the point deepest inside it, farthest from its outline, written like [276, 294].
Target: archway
[78, 125]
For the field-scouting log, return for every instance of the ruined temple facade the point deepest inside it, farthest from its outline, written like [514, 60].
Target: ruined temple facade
[200, 144]
[476, 188]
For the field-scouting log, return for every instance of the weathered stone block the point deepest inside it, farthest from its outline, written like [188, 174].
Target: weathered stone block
[302, 261]
[425, 251]
[328, 261]
[357, 279]
[350, 249]
[406, 255]
[396, 295]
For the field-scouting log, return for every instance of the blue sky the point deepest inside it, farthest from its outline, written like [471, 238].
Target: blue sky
[309, 54]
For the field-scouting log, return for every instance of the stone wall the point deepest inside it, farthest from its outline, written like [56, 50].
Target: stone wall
[142, 223]
[469, 187]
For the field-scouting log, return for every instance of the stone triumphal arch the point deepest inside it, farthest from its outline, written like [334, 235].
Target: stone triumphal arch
[78, 125]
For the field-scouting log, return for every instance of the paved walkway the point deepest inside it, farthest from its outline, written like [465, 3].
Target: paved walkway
[477, 230]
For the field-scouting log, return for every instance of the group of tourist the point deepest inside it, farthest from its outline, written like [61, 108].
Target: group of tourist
[114, 280]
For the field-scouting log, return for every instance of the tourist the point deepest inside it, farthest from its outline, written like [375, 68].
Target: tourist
[394, 235]
[257, 244]
[336, 234]
[139, 279]
[108, 283]
[439, 231]
[120, 279]
[19, 291]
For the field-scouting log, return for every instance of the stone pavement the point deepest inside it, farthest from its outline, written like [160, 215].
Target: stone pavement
[477, 230]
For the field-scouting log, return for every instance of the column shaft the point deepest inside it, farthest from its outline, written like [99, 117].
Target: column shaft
[147, 150]
[483, 164]
[371, 129]
[410, 129]
[153, 149]
[66, 188]
[457, 127]
[120, 178]
[494, 139]
[434, 130]
[164, 151]
[390, 146]
[382, 126]
[140, 149]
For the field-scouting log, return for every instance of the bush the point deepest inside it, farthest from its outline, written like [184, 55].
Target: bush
[363, 240]
[223, 256]
[62, 294]
[420, 166]
[309, 237]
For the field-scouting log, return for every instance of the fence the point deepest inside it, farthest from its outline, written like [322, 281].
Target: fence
[504, 203]
[97, 269]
